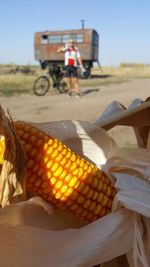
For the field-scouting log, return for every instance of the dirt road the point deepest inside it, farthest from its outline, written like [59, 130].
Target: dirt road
[53, 107]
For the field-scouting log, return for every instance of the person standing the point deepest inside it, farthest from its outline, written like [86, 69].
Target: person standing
[72, 59]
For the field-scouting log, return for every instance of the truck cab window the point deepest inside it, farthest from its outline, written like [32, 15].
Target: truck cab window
[44, 39]
[76, 37]
[66, 38]
[54, 39]
[79, 38]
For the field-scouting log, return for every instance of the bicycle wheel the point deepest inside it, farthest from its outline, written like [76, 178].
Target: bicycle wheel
[41, 86]
[61, 87]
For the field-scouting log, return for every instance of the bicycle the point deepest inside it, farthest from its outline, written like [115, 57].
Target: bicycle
[42, 83]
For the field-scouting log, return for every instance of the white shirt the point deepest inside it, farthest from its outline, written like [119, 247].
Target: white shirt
[71, 56]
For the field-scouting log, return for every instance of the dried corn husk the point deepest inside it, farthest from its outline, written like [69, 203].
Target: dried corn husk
[30, 236]
[148, 141]
[12, 186]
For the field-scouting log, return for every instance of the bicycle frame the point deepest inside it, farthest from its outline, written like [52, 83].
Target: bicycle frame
[56, 73]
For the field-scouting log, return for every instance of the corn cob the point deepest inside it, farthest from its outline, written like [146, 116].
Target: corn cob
[61, 177]
[2, 149]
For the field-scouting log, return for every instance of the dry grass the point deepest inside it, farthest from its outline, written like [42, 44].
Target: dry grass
[11, 84]
[128, 71]
[16, 84]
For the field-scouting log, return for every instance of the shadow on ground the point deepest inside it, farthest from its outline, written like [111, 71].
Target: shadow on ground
[101, 76]
[88, 91]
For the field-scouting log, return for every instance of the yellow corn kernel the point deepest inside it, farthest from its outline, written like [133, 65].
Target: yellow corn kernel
[80, 199]
[69, 192]
[97, 209]
[64, 188]
[58, 172]
[63, 174]
[54, 167]
[59, 157]
[74, 207]
[86, 203]
[73, 157]
[53, 180]
[73, 181]
[85, 190]
[58, 195]
[68, 178]
[55, 153]
[80, 173]
[63, 161]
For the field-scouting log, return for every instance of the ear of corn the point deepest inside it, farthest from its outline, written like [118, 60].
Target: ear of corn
[61, 177]
[2, 149]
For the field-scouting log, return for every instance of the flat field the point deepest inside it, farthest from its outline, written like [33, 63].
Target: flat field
[122, 84]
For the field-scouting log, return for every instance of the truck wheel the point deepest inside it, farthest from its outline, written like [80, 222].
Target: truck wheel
[87, 74]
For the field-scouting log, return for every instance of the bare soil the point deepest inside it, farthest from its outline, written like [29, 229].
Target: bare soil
[93, 101]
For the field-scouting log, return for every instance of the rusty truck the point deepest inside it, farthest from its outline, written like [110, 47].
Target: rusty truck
[47, 43]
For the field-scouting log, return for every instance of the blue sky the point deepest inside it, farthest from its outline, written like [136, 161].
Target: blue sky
[123, 26]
